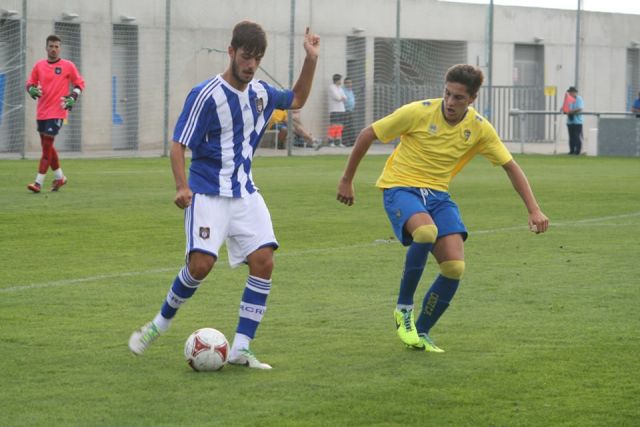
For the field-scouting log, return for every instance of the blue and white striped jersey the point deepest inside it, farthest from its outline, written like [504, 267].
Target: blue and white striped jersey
[222, 127]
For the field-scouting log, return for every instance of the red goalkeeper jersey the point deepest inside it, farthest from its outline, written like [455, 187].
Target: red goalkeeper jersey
[56, 80]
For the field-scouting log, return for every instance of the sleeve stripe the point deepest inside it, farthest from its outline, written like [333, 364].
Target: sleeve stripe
[196, 109]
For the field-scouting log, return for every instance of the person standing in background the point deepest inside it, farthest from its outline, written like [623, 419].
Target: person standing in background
[50, 84]
[635, 108]
[349, 132]
[574, 120]
[336, 111]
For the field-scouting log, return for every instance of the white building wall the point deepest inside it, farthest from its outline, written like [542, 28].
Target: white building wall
[200, 27]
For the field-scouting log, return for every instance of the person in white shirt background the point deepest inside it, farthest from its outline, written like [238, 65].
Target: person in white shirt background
[336, 101]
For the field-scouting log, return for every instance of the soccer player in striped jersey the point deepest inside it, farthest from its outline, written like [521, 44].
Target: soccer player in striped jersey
[222, 122]
[56, 84]
[438, 137]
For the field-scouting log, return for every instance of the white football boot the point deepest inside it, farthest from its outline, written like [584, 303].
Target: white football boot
[246, 357]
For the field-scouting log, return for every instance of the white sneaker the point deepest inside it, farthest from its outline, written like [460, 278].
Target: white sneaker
[246, 357]
[141, 339]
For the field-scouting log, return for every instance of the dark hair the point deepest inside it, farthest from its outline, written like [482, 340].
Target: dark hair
[336, 78]
[572, 89]
[250, 37]
[468, 75]
[347, 78]
[53, 38]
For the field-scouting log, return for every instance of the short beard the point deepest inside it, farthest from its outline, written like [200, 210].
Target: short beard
[236, 74]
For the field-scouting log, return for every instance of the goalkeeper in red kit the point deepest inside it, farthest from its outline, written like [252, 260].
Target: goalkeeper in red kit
[56, 84]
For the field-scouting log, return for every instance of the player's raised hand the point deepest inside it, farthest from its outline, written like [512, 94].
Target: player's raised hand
[311, 43]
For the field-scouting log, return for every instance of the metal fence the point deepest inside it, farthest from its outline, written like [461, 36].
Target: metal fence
[617, 133]
[138, 71]
[507, 98]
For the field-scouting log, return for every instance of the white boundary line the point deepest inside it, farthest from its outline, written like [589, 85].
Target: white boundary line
[221, 262]
[84, 279]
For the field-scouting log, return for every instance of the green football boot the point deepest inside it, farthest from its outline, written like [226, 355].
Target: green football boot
[406, 327]
[427, 344]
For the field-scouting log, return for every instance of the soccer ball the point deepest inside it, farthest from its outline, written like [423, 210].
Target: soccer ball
[206, 349]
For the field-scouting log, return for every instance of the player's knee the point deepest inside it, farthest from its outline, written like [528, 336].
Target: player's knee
[200, 265]
[261, 262]
[452, 269]
[427, 233]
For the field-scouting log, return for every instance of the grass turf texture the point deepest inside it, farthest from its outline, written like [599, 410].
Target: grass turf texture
[544, 329]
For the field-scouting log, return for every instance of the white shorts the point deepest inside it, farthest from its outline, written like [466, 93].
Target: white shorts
[244, 224]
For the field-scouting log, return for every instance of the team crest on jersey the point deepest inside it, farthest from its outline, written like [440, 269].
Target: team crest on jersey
[433, 129]
[205, 232]
[467, 134]
[259, 105]
[58, 70]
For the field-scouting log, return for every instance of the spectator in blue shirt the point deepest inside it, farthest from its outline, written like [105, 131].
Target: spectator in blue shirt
[349, 133]
[635, 108]
[575, 121]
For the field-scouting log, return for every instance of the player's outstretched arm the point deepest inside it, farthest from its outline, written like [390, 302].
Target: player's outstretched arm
[346, 193]
[183, 192]
[302, 87]
[538, 221]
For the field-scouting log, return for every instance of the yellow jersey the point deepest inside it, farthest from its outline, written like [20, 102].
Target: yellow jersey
[431, 151]
[278, 116]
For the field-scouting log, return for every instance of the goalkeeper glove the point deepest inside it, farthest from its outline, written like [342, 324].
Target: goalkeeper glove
[35, 92]
[69, 101]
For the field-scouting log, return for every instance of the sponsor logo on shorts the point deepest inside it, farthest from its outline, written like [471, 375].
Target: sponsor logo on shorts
[205, 232]
[398, 213]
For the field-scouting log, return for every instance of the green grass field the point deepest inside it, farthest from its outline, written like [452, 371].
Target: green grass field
[544, 329]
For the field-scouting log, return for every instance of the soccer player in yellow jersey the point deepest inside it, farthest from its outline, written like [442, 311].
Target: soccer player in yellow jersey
[438, 137]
